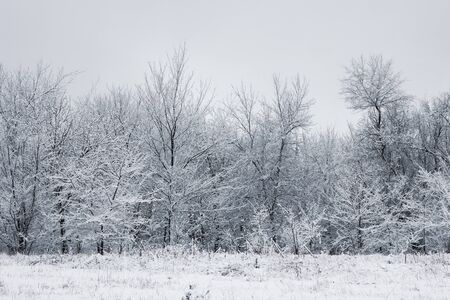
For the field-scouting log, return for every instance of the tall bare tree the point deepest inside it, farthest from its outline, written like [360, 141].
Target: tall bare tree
[176, 106]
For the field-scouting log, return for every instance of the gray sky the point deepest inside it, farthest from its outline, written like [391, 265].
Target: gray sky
[233, 41]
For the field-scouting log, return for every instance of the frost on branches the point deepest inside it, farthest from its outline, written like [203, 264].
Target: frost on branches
[168, 164]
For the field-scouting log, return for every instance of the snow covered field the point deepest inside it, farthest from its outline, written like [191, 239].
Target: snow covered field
[224, 276]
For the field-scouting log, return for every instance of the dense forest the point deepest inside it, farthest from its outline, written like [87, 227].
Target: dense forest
[165, 164]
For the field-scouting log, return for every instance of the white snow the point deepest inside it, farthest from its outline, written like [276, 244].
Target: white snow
[172, 275]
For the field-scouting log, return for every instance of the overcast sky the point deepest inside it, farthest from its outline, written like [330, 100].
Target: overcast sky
[233, 41]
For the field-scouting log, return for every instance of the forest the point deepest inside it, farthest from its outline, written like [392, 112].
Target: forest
[166, 164]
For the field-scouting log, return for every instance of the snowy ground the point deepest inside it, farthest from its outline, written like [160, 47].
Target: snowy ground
[224, 276]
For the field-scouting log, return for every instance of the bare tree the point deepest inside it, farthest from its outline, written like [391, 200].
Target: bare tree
[25, 97]
[176, 108]
[269, 131]
[372, 86]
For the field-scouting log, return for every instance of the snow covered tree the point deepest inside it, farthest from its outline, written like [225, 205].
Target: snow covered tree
[266, 142]
[372, 86]
[436, 207]
[158, 165]
[27, 150]
[107, 170]
[175, 145]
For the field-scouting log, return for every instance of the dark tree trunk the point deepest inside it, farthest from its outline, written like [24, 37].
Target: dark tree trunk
[62, 230]
[100, 243]
[21, 230]
[78, 245]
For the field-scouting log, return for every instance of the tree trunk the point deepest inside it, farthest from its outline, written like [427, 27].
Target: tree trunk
[168, 233]
[21, 230]
[78, 245]
[64, 244]
[100, 243]
[360, 242]
[62, 229]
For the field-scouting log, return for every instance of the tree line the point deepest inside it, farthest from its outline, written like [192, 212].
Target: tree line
[159, 165]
